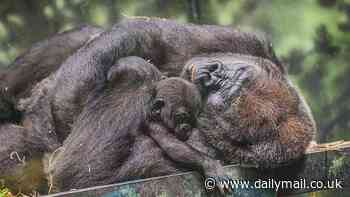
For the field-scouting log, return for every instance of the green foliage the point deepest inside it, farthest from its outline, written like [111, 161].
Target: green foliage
[4, 192]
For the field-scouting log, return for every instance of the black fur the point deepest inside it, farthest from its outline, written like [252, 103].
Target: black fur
[43, 58]
[35, 64]
[108, 132]
[165, 43]
[21, 154]
[112, 139]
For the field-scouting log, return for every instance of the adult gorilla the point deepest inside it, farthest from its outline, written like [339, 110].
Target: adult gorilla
[58, 100]
[137, 127]
[166, 43]
[253, 114]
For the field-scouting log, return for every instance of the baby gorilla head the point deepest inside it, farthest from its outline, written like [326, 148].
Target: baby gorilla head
[177, 104]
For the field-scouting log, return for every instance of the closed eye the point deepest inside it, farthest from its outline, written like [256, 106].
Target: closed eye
[214, 66]
[182, 118]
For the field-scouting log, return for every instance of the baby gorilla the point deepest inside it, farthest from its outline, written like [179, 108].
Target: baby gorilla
[110, 139]
[174, 112]
[177, 105]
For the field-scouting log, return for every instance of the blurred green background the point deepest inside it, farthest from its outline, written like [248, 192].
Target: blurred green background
[312, 37]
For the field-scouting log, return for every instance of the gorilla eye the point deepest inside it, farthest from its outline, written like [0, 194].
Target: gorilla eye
[181, 117]
[213, 67]
[158, 104]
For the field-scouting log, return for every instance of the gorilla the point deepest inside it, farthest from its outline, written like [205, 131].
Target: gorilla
[22, 150]
[165, 43]
[253, 113]
[110, 141]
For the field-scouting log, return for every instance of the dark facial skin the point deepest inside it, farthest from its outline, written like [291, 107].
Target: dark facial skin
[184, 124]
[180, 122]
[253, 113]
[221, 78]
[177, 105]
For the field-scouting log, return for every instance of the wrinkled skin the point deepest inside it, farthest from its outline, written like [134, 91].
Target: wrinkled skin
[221, 78]
[253, 113]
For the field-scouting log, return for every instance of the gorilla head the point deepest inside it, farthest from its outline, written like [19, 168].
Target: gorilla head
[220, 77]
[177, 104]
[253, 113]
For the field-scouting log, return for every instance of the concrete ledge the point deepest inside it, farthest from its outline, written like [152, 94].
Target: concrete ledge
[323, 163]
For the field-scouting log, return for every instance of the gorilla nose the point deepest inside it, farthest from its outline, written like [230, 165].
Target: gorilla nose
[183, 132]
[204, 74]
[185, 128]
[213, 67]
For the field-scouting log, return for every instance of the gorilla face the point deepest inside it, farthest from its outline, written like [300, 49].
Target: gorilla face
[184, 123]
[177, 104]
[178, 119]
[221, 77]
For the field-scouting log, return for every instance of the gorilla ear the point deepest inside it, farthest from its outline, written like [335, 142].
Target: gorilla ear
[158, 104]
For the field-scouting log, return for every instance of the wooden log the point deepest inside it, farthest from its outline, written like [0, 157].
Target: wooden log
[325, 166]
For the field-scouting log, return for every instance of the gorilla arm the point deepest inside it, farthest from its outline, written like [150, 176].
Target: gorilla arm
[43, 58]
[166, 43]
[182, 153]
[35, 64]
[274, 153]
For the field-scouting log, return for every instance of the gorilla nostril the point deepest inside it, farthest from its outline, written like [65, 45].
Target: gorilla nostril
[213, 67]
[185, 128]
